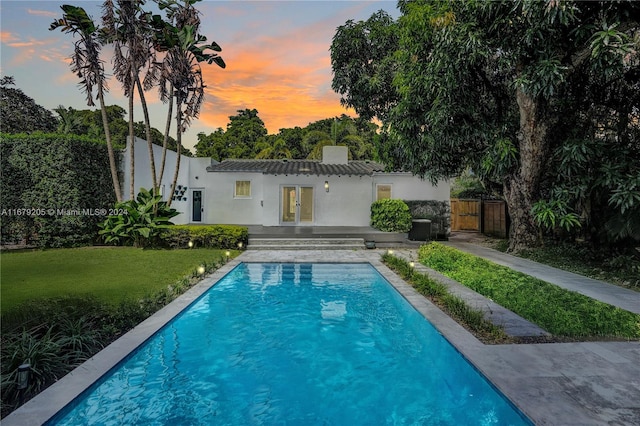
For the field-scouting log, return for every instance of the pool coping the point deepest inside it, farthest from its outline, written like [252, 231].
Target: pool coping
[588, 383]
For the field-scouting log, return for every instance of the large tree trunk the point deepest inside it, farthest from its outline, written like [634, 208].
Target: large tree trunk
[521, 189]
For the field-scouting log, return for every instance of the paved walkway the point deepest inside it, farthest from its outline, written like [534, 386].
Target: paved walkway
[605, 292]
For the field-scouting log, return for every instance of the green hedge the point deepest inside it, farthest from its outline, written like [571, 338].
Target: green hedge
[53, 188]
[557, 310]
[210, 236]
[390, 215]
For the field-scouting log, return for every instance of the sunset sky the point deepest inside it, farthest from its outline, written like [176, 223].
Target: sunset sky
[277, 56]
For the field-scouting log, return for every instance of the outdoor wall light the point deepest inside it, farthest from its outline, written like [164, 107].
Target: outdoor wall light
[326, 185]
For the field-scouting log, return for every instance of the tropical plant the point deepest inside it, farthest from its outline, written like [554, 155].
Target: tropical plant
[86, 63]
[278, 150]
[140, 222]
[127, 26]
[390, 215]
[554, 214]
[179, 74]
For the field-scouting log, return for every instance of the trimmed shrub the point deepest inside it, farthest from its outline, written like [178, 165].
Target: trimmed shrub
[209, 236]
[54, 188]
[390, 216]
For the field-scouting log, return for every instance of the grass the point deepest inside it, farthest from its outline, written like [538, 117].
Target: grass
[472, 319]
[559, 311]
[60, 307]
[110, 274]
[619, 268]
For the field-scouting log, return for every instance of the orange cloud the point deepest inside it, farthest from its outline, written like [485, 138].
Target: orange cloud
[287, 78]
[43, 13]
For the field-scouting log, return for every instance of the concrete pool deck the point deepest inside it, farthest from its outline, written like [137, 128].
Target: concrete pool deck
[588, 383]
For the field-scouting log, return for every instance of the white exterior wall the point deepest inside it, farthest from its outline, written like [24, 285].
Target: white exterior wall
[347, 203]
[405, 186]
[223, 208]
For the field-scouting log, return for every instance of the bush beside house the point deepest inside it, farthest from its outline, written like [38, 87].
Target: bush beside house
[390, 215]
[209, 236]
[54, 189]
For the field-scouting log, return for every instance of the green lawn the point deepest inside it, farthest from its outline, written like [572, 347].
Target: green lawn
[110, 274]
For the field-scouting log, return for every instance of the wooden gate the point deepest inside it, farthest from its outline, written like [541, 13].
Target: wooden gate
[494, 218]
[465, 215]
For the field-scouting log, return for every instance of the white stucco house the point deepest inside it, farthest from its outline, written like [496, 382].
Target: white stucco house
[330, 192]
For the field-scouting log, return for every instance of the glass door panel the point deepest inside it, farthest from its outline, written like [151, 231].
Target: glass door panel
[306, 204]
[196, 206]
[289, 204]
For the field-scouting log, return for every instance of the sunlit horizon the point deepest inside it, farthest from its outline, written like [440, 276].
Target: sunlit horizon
[276, 52]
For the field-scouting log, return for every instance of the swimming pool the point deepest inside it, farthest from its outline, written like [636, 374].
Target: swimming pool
[295, 344]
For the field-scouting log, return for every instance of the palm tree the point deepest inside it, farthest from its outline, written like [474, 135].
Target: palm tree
[69, 122]
[128, 27]
[180, 74]
[86, 63]
[277, 151]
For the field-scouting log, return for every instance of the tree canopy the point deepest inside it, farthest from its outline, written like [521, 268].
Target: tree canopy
[19, 113]
[246, 137]
[526, 93]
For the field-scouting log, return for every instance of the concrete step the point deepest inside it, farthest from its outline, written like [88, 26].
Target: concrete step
[305, 243]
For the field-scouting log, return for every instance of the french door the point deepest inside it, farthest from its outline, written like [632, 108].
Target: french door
[296, 205]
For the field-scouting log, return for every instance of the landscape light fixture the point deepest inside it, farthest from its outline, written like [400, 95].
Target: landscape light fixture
[190, 244]
[326, 185]
[240, 245]
[228, 254]
[389, 252]
[201, 270]
[412, 265]
[24, 371]
[23, 376]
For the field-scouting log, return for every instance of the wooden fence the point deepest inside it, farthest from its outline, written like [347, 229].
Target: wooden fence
[486, 216]
[465, 215]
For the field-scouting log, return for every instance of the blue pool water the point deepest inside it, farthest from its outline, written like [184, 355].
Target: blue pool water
[295, 344]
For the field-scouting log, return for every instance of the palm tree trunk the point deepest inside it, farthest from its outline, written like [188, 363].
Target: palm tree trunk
[147, 127]
[132, 138]
[165, 141]
[112, 159]
[178, 149]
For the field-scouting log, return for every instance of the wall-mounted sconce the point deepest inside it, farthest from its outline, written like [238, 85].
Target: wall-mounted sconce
[326, 185]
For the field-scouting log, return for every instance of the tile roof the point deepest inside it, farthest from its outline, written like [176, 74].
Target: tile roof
[297, 167]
